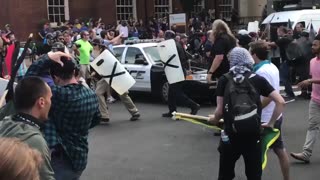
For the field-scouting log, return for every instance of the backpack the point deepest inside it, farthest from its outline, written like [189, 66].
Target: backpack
[242, 106]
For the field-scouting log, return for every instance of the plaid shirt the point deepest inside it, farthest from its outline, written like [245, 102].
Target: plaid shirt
[73, 112]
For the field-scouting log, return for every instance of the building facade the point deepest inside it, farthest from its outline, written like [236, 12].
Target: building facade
[25, 15]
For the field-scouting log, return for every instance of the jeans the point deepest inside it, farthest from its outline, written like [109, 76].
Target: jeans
[62, 168]
[286, 79]
[313, 129]
[176, 94]
[249, 148]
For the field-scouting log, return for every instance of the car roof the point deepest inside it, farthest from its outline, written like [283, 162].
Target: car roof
[138, 45]
[284, 16]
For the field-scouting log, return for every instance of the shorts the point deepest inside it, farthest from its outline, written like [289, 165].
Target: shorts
[278, 144]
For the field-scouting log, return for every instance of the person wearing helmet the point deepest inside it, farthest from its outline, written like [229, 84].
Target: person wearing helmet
[175, 89]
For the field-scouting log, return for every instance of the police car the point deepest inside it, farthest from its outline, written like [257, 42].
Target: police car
[142, 60]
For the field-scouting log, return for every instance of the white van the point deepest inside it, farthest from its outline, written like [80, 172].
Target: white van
[298, 16]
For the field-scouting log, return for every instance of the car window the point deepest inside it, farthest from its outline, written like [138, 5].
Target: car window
[153, 54]
[118, 51]
[132, 54]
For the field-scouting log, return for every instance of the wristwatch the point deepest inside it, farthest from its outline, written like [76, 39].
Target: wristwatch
[309, 81]
[210, 72]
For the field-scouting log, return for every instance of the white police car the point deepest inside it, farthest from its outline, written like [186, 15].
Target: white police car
[142, 60]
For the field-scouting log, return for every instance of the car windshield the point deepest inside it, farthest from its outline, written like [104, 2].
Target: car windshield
[153, 54]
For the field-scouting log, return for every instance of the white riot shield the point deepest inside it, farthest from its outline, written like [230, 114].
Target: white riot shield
[109, 68]
[170, 58]
[3, 85]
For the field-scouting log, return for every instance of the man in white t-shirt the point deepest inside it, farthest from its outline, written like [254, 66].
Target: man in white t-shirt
[264, 68]
[124, 31]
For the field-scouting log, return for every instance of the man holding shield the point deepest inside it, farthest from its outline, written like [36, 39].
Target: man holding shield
[175, 89]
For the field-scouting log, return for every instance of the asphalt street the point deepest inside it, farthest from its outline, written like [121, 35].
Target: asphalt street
[157, 148]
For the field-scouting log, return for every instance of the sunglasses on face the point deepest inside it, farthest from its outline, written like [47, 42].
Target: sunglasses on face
[61, 39]
[95, 44]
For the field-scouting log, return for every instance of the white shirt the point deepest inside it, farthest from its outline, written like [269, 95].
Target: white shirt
[271, 73]
[124, 30]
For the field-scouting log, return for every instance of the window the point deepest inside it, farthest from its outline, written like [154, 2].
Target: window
[197, 8]
[226, 7]
[118, 52]
[132, 55]
[162, 8]
[126, 9]
[58, 10]
[153, 54]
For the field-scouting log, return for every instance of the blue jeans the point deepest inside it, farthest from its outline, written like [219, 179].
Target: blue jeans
[286, 79]
[63, 169]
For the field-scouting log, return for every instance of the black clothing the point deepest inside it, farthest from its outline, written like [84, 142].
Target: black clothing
[247, 145]
[249, 148]
[262, 87]
[175, 90]
[283, 43]
[176, 94]
[221, 46]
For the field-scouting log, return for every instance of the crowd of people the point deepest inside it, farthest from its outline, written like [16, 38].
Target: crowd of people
[61, 96]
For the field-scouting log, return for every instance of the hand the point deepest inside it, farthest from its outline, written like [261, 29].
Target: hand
[212, 119]
[56, 56]
[209, 76]
[304, 83]
[267, 125]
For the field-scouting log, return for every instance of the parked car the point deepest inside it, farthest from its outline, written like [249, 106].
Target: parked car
[142, 60]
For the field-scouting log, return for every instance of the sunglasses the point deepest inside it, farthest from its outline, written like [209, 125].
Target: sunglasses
[61, 39]
[95, 44]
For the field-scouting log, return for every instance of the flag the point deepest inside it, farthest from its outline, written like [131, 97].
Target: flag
[269, 136]
[312, 32]
[289, 25]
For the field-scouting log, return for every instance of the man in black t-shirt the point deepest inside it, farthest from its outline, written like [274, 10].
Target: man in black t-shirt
[223, 42]
[248, 145]
[283, 42]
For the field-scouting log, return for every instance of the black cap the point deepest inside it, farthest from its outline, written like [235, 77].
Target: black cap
[58, 46]
[169, 34]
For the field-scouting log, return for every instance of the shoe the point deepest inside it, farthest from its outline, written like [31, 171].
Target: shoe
[288, 99]
[300, 157]
[135, 117]
[104, 121]
[195, 110]
[111, 100]
[167, 115]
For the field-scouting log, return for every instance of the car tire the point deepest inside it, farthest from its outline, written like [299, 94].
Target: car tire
[165, 92]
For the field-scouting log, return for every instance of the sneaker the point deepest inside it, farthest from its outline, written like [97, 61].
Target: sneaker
[135, 117]
[300, 157]
[167, 115]
[195, 110]
[288, 99]
[104, 121]
[111, 100]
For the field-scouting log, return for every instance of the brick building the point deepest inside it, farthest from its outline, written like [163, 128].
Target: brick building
[25, 15]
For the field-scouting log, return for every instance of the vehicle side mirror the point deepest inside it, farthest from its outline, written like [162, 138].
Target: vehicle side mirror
[141, 61]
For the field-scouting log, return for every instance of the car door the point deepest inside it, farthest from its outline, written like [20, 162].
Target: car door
[140, 71]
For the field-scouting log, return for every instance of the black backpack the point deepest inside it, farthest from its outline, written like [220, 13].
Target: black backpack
[242, 106]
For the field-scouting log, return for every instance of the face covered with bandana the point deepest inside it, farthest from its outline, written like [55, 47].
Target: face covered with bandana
[241, 62]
